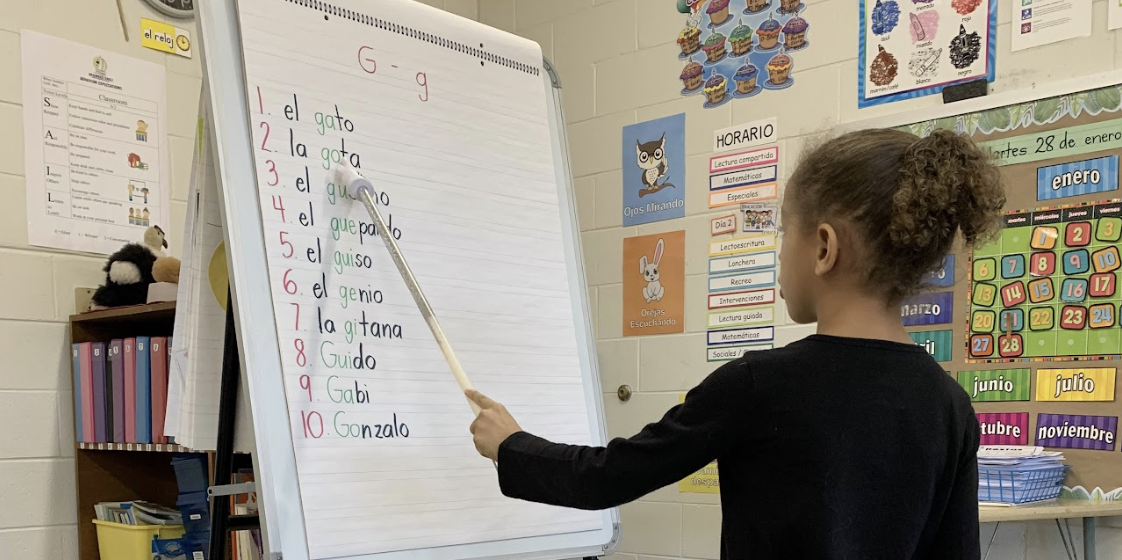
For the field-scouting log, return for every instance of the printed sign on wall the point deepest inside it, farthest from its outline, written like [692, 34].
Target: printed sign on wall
[937, 343]
[654, 170]
[1076, 432]
[1086, 384]
[1077, 178]
[704, 481]
[927, 309]
[1004, 428]
[911, 49]
[654, 282]
[944, 277]
[996, 385]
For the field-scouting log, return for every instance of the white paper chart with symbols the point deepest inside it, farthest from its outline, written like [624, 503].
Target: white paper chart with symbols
[452, 133]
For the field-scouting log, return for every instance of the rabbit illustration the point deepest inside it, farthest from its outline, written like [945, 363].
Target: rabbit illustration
[653, 291]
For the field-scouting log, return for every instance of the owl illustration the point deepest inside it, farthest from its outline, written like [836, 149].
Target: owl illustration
[651, 157]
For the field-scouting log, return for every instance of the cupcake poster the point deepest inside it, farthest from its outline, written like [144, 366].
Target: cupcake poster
[912, 48]
[734, 49]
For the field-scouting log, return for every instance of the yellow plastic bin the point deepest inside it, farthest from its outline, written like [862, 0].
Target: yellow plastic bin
[117, 541]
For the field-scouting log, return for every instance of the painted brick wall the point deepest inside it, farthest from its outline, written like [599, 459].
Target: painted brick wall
[37, 511]
[617, 63]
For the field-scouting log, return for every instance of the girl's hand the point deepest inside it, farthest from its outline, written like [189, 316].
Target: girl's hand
[493, 425]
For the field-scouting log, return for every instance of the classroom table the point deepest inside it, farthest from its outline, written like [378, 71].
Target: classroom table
[1057, 510]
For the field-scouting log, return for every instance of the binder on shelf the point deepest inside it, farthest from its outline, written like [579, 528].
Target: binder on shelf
[76, 365]
[130, 389]
[86, 356]
[98, 360]
[159, 364]
[116, 357]
[143, 391]
[109, 426]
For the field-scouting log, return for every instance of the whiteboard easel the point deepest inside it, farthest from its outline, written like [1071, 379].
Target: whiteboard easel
[283, 524]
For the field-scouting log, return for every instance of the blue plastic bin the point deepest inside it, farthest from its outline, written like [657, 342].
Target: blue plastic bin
[1019, 486]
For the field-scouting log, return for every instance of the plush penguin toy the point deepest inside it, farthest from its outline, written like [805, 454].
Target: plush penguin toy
[129, 271]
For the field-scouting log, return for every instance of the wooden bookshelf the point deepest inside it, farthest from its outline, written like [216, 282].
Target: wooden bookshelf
[107, 472]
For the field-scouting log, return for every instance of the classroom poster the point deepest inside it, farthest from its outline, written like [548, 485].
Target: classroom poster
[1041, 22]
[1034, 334]
[654, 281]
[95, 146]
[1046, 288]
[737, 49]
[705, 480]
[1113, 14]
[912, 48]
[654, 170]
[759, 217]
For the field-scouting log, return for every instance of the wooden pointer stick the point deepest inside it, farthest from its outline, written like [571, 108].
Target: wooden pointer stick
[365, 193]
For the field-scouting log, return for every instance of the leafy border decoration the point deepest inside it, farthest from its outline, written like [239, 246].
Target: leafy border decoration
[1023, 115]
[1096, 495]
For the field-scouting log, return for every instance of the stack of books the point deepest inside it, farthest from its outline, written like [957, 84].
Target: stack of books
[120, 390]
[137, 513]
[1018, 474]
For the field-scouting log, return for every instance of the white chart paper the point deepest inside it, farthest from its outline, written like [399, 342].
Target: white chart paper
[450, 124]
[95, 145]
[1113, 14]
[1041, 22]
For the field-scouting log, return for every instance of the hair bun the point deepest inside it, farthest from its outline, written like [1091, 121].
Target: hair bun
[946, 183]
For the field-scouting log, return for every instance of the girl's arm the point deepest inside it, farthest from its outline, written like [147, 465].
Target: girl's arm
[688, 437]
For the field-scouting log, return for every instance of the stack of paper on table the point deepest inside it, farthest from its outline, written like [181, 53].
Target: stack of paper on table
[1015, 469]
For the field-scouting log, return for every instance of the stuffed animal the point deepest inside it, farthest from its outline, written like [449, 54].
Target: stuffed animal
[166, 269]
[128, 272]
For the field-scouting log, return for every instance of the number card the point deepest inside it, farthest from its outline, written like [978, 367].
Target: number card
[1047, 288]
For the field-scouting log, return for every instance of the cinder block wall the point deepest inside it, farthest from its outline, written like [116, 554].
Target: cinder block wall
[37, 511]
[618, 65]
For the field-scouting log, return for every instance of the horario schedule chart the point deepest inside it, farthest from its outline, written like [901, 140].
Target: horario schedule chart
[449, 121]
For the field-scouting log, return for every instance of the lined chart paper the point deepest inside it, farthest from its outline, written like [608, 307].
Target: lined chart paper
[453, 133]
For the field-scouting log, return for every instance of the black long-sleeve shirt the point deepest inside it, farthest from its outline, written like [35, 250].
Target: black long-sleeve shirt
[828, 448]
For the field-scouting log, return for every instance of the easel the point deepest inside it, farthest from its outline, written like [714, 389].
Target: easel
[221, 522]
[225, 460]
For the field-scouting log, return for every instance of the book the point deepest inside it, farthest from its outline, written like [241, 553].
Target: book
[159, 365]
[137, 513]
[143, 391]
[108, 393]
[86, 357]
[117, 359]
[76, 366]
[97, 356]
[130, 389]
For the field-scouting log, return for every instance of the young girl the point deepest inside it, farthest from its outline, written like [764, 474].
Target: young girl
[852, 443]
